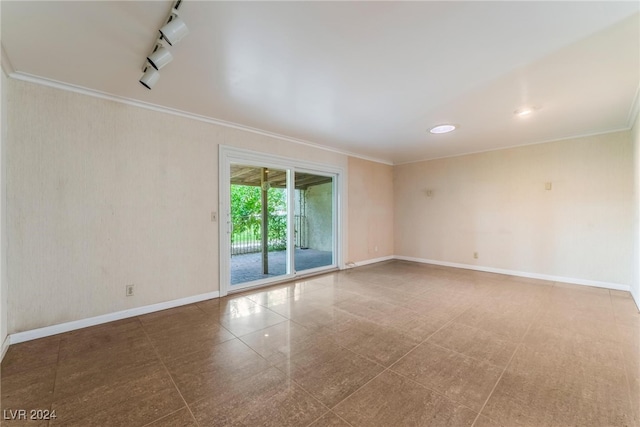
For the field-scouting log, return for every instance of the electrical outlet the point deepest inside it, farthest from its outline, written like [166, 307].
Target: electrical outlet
[475, 255]
[129, 290]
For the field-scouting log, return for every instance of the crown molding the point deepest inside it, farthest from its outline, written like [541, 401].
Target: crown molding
[547, 141]
[8, 69]
[149, 106]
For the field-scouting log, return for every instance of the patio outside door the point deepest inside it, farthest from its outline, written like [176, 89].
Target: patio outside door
[314, 221]
[259, 223]
[277, 220]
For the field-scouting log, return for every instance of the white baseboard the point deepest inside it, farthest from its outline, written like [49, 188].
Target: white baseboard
[138, 311]
[105, 318]
[562, 279]
[636, 299]
[369, 261]
[5, 347]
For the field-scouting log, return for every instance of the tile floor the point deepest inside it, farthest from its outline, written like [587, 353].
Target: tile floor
[392, 344]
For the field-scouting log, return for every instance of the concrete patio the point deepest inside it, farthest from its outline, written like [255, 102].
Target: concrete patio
[248, 267]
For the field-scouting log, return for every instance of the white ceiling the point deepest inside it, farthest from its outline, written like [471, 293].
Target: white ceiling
[364, 77]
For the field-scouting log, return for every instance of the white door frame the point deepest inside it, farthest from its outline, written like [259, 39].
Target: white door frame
[228, 155]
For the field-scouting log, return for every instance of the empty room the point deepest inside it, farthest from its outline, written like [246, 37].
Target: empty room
[364, 214]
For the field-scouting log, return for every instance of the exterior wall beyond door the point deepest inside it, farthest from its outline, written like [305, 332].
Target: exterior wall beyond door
[319, 209]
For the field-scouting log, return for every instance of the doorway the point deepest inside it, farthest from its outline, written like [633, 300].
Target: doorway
[314, 221]
[279, 219]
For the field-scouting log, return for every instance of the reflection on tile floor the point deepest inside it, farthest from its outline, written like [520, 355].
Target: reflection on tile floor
[391, 344]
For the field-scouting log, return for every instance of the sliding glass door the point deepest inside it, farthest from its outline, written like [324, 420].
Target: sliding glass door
[314, 221]
[259, 248]
[279, 220]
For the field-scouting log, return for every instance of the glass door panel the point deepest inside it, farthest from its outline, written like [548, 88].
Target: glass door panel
[258, 202]
[314, 228]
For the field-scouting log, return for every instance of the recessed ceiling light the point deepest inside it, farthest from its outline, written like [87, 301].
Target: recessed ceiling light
[442, 129]
[524, 111]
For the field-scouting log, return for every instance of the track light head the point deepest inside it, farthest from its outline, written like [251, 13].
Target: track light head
[150, 77]
[174, 30]
[159, 57]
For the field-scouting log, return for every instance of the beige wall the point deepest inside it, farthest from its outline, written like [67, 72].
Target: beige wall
[4, 284]
[370, 210]
[635, 283]
[103, 194]
[495, 203]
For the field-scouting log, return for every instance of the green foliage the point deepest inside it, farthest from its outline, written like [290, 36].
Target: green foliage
[246, 214]
[245, 208]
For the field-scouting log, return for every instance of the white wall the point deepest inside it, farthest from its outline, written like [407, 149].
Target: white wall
[103, 194]
[319, 216]
[495, 203]
[635, 283]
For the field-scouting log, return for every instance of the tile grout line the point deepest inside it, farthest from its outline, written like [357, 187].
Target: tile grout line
[329, 412]
[287, 376]
[331, 338]
[239, 337]
[319, 327]
[155, 350]
[344, 348]
[257, 330]
[390, 366]
[425, 386]
[465, 355]
[272, 365]
[520, 345]
[316, 419]
[439, 393]
[347, 422]
[431, 335]
[289, 319]
[634, 413]
[165, 416]
[234, 336]
[493, 389]
[55, 379]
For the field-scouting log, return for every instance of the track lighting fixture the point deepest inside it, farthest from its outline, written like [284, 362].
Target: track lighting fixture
[171, 32]
[150, 77]
[174, 30]
[159, 57]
